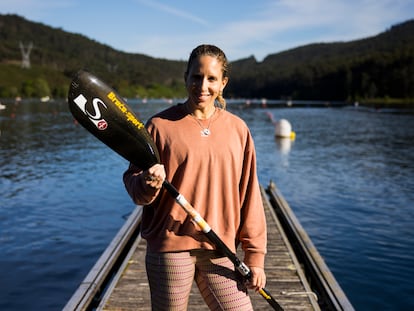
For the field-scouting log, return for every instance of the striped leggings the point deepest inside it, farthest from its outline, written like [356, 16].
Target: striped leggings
[171, 276]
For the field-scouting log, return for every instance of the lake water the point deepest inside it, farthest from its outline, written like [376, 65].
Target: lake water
[348, 176]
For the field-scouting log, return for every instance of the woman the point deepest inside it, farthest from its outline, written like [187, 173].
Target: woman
[208, 154]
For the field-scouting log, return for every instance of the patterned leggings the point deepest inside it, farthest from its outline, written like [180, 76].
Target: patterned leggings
[171, 276]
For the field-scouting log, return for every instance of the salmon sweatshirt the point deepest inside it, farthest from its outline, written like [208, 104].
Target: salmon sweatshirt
[217, 175]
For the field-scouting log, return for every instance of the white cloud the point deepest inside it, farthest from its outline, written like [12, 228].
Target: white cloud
[173, 11]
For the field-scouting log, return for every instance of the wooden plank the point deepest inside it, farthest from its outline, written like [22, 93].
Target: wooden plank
[331, 295]
[285, 277]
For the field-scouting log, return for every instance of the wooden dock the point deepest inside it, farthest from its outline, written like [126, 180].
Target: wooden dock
[125, 286]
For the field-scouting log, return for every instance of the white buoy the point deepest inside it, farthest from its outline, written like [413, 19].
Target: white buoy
[44, 99]
[283, 129]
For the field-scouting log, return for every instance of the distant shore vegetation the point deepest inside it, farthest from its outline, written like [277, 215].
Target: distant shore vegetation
[371, 71]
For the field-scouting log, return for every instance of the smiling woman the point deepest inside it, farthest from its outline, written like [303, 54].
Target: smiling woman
[225, 147]
[93, 103]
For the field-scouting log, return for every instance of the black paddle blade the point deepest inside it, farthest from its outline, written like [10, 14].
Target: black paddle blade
[104, 113]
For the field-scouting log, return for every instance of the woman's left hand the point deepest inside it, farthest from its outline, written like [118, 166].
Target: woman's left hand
[258, 279]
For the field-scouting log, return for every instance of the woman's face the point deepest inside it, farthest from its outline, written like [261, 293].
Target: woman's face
[204, 81]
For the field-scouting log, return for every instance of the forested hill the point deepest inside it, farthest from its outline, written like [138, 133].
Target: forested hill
[376, 67]
[56, 55]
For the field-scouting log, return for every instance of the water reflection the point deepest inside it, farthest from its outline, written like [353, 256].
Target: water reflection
[284, 145]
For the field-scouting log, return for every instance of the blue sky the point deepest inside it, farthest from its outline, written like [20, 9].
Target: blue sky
[171, 29]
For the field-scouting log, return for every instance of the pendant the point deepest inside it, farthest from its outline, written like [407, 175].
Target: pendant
[205, 132]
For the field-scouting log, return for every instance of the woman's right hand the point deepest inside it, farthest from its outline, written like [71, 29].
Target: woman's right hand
[155, 176]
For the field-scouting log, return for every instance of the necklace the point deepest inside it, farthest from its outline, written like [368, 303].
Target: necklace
[205, 131]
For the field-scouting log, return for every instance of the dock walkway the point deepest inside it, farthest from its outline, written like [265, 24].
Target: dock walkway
[297, 276]
[286, 281]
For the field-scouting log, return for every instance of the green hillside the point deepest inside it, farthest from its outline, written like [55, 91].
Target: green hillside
[376, 68]
[56, 55]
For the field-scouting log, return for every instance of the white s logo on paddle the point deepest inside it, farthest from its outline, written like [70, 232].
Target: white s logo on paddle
[95, 116]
